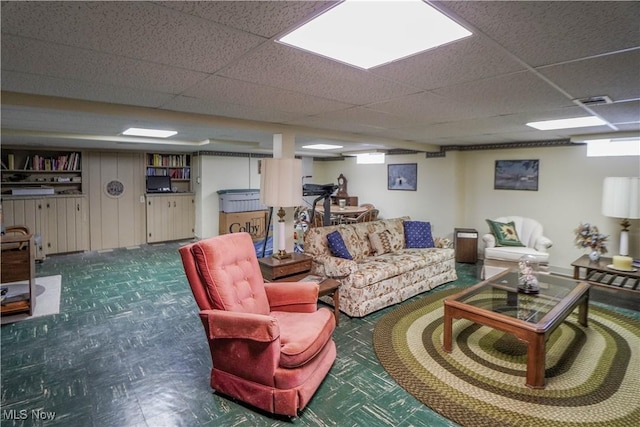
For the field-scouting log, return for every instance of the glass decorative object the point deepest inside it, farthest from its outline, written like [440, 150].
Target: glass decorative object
[528, 274]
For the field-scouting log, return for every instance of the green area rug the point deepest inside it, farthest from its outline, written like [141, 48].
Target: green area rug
[593, 374]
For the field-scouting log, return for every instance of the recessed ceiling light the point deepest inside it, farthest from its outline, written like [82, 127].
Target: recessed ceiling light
[368, 33]
[576, 122]
[153, 133]
[321, 146]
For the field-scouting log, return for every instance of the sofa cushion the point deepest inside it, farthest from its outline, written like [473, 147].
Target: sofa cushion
[505, 233]
[381, 242]
[337, 246]
[417, 234]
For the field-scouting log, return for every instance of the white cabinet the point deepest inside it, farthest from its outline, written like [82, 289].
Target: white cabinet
[67, 225]
[170, 217]
[61, 222]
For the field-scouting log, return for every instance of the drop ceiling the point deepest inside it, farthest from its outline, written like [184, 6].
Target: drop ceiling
[77, 74]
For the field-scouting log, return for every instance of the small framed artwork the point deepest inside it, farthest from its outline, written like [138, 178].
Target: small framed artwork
[402, 176]
[516, 175]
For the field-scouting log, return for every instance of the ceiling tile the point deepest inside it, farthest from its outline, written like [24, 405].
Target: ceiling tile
[54, 60]
[620, 112]
[285, 67]
[264, 18]
[543, 33]
[226, 90]
[140, 30]
[77, 89]
[466, 60]
[593, 76]
[245, 112]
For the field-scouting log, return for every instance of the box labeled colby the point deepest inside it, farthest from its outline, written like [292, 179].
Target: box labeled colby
[253, 222]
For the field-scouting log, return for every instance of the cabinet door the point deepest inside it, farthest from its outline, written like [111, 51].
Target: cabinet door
[71, 211]
[27, 212]
[50, 212]
[158, 225]
[184, 215]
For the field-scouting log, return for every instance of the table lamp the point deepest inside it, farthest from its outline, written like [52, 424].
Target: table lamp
[620, 199]
[280, 186]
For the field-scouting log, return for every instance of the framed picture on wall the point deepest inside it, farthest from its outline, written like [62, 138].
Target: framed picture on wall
[516, 175]
[402, 176]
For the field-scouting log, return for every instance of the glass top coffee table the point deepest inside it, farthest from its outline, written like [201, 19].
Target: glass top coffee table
[532, 318]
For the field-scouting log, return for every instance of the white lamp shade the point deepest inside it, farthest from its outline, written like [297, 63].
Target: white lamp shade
[621, 197]
[281, 182]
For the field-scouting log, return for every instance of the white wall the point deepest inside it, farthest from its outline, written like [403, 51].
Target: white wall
[457, 191]
[220, 173]
[435, 200]
[569, 192]
[224, 173]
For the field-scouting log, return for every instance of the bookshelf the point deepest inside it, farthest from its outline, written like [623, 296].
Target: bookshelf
[175, 166]
[39, 172]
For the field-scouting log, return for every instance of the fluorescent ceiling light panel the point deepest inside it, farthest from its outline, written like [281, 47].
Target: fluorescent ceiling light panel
[152, 133]
[368, 33]
[576, 122]
[369, 158]
[608, 147]
[321, 146]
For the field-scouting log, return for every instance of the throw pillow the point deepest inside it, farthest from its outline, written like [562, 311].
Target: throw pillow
[505, 233]
[417, 234]
[380, 242]
[337, 246]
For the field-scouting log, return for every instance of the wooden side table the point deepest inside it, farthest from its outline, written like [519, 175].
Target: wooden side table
[295, 269]
[17, 265]
[331, 287]
[273, 268]
[599, 273]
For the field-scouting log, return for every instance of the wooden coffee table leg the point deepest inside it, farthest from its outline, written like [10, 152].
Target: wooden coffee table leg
[583, 311]
[446, 341]
[536, 352]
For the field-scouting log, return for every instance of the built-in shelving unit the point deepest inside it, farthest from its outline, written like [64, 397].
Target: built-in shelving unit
[175, 166]
[39, 173]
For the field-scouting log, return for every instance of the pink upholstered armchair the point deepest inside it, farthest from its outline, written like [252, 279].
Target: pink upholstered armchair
[270, 345]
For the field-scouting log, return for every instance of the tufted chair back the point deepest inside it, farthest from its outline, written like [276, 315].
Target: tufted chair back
[226, 275]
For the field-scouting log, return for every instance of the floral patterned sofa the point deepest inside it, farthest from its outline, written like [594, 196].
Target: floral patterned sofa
[377, 277]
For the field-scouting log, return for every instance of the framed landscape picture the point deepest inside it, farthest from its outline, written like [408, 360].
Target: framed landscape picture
[516, 175]
[402, 177]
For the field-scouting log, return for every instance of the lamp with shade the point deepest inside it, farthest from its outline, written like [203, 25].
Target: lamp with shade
[280, 187]
[621, 199]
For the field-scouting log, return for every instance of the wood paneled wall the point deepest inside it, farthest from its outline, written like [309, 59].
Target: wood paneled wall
[116, 222]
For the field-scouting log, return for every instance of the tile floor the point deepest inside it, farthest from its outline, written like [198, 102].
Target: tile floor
[128, 349]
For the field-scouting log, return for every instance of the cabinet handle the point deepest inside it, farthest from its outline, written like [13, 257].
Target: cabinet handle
[169, 204]
[174, 203]
[78, 207]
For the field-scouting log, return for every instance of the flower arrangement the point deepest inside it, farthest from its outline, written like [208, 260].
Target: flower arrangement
[588, 236]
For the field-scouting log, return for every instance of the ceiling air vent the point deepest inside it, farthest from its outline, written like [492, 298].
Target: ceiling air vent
[593, 100]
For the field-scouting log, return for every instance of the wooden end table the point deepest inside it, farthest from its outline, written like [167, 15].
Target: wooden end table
[599, 273]
[331, 287]
[295, 269]
[532, 318]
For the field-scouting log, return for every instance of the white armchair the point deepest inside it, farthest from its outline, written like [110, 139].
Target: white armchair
[529, 233]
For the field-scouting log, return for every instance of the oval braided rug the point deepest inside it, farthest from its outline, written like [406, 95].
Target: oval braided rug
[592, 374]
